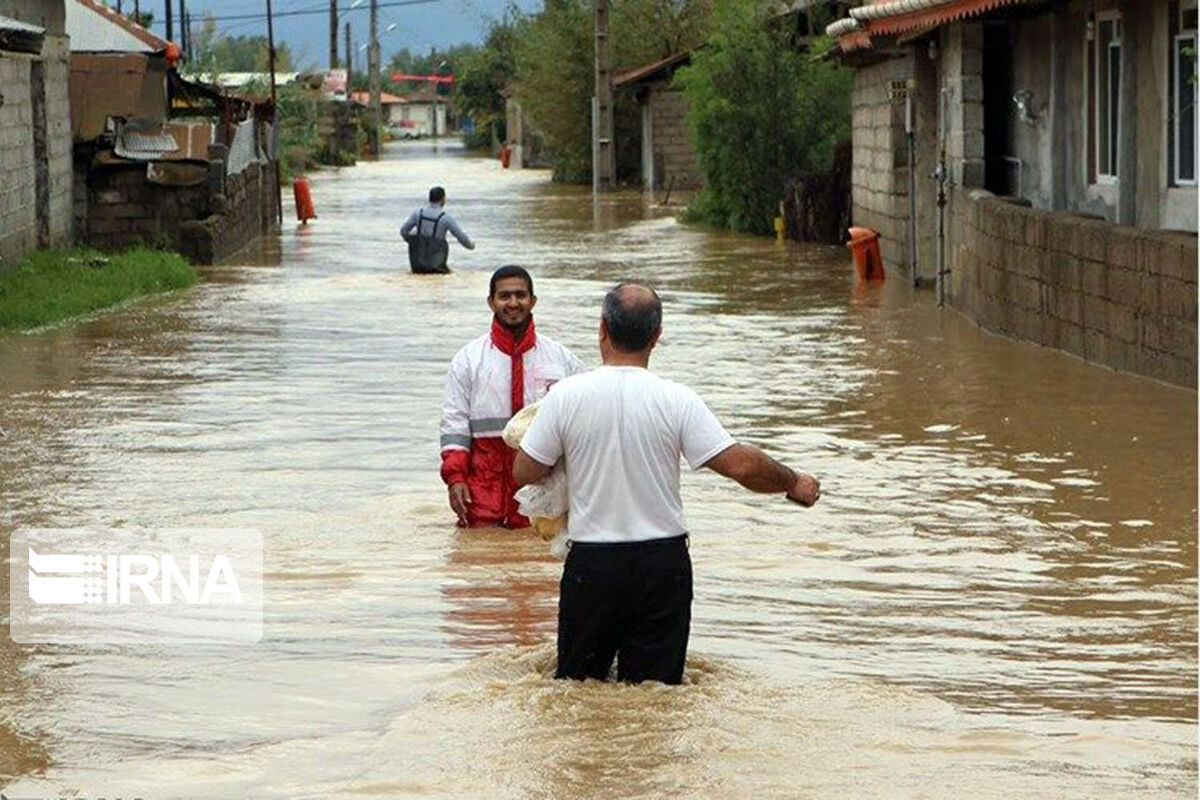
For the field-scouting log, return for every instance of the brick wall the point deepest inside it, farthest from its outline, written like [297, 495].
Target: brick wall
[879, 177]
[674, 155]
[120, 208]
[1110, 294]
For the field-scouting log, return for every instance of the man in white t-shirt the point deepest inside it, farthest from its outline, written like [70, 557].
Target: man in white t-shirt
[626, 589]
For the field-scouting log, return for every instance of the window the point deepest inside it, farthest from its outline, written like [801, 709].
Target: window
[1183, 130]
[1104, 71]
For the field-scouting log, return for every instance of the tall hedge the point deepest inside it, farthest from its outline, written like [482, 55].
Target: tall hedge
[765, 115]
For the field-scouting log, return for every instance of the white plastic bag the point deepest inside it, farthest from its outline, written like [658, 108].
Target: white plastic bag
[546, 502]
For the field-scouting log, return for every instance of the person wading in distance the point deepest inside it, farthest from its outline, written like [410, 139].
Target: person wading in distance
[425, 231]
[491, 379]
[626, 589]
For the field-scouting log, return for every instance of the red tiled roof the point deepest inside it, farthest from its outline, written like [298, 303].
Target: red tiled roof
[364, 98]
[888, 17]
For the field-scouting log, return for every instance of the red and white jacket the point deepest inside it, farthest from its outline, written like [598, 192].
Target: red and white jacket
[491, 379]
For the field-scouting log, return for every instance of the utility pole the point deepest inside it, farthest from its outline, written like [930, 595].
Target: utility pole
[333, 57]
[184, 44]
[603, 163]
[373, 68]
[170, 24]
[349, 59]
[274, 110]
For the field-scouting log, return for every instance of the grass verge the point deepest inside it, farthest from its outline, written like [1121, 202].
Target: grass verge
[48, 286]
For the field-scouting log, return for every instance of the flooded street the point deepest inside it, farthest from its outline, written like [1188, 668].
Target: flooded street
[995, 597]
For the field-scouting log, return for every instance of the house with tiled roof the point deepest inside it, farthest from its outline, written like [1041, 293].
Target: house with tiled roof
[1036, 161]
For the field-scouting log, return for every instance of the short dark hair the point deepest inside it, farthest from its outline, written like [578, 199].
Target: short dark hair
[510, 271]
[632, 322]
[437, 194]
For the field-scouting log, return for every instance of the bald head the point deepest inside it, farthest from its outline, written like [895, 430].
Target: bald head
[633, 314]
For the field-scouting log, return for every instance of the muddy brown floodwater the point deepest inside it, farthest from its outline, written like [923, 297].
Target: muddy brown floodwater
[995, 597]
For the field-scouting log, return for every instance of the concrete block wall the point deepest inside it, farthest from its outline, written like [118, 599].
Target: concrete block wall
[18, 208]
[18, 156]
[674, 154]
[879, 176]
[206, 223]
[1114, 295]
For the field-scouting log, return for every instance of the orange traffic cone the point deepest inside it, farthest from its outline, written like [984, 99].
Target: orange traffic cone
[304, 203]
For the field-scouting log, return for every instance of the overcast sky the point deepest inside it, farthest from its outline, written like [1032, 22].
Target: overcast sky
[418, 27]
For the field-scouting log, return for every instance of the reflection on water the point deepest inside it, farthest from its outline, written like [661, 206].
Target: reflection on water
[997, 590]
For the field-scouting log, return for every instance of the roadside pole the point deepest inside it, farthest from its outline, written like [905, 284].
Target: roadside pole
[603, 162]
[349, 60]
[274, 110]
[373, 68]
[170, 23]
[333, 26]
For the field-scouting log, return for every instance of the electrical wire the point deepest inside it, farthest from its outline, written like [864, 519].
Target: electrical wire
[304, 12]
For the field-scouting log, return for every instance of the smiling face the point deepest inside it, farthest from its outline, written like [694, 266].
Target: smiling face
[512, 303]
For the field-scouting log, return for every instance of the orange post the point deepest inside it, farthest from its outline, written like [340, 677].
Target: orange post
[304, 203]
[505, 156]
[864, 244]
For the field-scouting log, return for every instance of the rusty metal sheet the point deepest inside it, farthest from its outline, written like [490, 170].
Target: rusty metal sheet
[177, 173]
[126, 85]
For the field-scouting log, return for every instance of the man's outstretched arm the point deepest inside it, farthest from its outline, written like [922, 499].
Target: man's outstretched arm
[758, 472]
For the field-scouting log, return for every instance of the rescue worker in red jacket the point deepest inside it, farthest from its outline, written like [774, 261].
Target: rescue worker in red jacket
[491, 379]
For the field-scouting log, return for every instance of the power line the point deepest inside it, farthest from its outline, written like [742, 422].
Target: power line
[309, 12]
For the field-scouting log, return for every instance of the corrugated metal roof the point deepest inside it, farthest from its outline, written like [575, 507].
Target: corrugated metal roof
[139, 141]
[96, 28]
[20, 37]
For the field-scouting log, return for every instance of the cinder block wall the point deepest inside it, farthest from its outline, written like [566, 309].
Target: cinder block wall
[18, 209]
[879, 177]
[206, 223]
[674, 155]
[1111, 294]
[18, 159]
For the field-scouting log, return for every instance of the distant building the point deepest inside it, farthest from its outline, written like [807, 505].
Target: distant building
[1069, 134]
[35, 173]
[668, 157]
[416, 114]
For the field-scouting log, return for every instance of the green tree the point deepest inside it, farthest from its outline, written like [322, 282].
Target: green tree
[554, 66]
[213, 52]
[764, 115]
[484, 75]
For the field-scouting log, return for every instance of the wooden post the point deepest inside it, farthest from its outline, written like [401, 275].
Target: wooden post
[170, 23]
[603, 161]
[349, 60]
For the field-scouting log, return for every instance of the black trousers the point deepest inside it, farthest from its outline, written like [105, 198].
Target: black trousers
[631, 601]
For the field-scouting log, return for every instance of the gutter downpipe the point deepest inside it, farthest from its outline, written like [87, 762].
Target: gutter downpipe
[910, 134]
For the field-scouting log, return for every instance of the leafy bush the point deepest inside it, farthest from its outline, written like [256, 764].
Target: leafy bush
[764, 115]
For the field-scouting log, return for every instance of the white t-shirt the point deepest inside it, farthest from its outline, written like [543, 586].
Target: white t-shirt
[620, 431]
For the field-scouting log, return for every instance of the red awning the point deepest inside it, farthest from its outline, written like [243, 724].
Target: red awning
[892, 17]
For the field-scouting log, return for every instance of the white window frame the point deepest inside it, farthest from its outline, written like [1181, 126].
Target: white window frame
[1103, 177]
[1184, 35]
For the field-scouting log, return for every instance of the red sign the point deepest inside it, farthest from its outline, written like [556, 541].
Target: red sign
[401, 76]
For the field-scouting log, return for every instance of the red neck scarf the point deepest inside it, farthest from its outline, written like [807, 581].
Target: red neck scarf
[502, 337]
